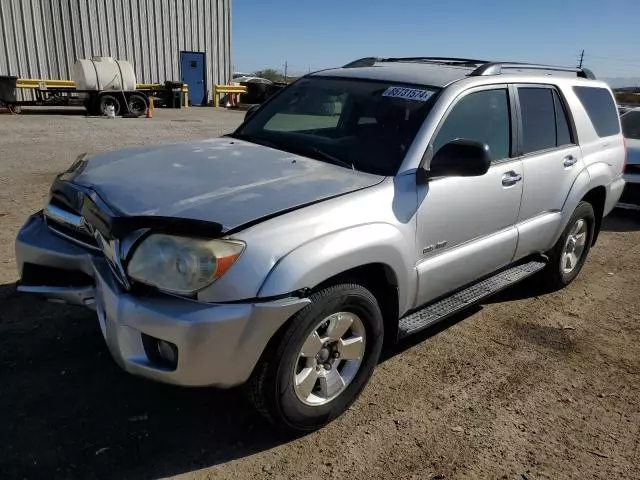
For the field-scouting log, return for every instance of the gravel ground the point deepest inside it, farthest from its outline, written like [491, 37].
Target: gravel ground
[525, 386]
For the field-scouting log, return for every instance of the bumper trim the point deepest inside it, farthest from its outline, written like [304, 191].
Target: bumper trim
[83, 296]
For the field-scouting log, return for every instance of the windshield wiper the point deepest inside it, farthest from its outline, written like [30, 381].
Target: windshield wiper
[330, 158]
[252, 139]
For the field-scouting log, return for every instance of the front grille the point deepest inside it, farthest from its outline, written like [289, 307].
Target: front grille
[69, 225]
[37, 275]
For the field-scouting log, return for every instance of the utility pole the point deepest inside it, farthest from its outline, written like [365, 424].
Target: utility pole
[581, 59]
[285, 72]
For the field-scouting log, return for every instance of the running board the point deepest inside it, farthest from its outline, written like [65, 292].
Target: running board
[457, 302]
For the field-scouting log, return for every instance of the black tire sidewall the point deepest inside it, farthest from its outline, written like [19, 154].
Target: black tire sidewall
[138, 97]
[346, 298]
[102, 106]
[583, 211]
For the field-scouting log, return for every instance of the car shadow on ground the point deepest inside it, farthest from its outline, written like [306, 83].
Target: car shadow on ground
[68, 411]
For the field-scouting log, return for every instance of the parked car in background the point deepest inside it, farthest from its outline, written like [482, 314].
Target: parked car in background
[359, 206]
[631, 130]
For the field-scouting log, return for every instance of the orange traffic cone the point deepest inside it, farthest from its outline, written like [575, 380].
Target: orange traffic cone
[150, 108]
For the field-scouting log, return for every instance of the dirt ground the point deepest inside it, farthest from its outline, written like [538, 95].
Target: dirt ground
[526, 386]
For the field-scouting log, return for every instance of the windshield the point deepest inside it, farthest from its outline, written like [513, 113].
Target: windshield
[631, 124]
[360, 124]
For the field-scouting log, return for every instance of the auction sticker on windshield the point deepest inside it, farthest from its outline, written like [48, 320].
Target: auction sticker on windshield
[408, 93]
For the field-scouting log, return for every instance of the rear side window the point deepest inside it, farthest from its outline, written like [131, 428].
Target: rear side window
[538, 119]
[601, 109]
[544, 120]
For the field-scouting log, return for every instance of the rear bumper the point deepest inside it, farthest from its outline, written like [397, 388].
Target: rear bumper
[217, 344]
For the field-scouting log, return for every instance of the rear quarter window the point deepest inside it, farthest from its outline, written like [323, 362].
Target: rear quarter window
[599, 104]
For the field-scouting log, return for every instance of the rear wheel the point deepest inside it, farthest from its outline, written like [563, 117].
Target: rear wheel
[137, 104]
[568, 255]
[319, 365]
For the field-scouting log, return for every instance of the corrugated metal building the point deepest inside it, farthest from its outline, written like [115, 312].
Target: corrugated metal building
[180, 40]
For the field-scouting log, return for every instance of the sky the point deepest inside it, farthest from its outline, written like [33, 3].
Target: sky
[311, 35]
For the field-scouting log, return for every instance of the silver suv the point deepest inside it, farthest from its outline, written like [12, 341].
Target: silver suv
[358, 206]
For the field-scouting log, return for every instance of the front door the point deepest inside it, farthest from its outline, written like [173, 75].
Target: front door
[467, 226]
[192, 68]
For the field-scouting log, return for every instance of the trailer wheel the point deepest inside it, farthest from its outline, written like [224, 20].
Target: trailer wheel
[137, 104]
[105, 100]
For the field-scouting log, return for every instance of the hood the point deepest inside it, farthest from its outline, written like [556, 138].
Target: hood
[222, 180]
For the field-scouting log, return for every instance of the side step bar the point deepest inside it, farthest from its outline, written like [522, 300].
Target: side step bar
[462, 299]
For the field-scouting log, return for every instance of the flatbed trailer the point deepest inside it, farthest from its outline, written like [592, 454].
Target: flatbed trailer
[62, 93]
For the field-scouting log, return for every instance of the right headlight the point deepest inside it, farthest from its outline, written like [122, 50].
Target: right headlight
[182, 265]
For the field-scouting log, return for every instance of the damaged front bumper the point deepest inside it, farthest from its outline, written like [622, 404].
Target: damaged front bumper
[215, 344]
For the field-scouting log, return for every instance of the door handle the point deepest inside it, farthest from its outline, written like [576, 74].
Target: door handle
[569, 161]
[510, 178]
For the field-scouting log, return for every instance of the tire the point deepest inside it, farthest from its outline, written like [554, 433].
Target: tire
[105, 100]
[556, 275]
[137, 104]
[272, 386]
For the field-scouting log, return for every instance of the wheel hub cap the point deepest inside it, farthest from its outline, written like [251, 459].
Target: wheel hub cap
[574, 246]
[329, 359]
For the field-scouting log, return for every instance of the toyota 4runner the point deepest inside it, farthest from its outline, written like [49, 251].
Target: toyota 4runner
[359, 205]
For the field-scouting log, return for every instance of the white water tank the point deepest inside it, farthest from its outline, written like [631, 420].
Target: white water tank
[104, 73]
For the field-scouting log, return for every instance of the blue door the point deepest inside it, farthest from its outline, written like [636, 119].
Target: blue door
[192, 68]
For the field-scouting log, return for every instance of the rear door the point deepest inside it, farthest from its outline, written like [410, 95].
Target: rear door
[551, 162]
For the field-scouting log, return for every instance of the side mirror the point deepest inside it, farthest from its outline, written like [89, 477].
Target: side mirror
[252, 109]
[461, 158]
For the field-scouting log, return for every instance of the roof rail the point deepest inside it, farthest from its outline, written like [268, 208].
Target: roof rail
[438, 60]
[370, 61]
[362, 62]
[483, 67]
[495, 68]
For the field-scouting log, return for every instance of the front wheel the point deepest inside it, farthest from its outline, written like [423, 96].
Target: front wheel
[568, 255]
[106, 101]
[318, 366]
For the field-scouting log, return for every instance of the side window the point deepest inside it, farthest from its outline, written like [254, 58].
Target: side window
[538, 119]
[563, 132]
[482, 116]
[600, 107]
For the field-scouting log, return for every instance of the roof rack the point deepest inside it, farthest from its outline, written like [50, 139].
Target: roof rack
[438, 60]
[452, 61]
[495, 68]
[482, 67]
